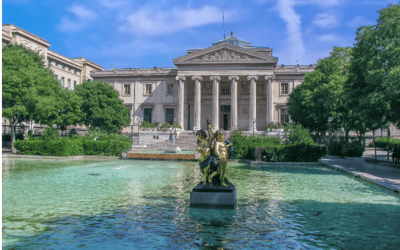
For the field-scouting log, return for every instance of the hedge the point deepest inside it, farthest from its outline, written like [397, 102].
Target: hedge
[382, 142]
[243, 146]
[343, 148]
[301, 152]
[111, 145]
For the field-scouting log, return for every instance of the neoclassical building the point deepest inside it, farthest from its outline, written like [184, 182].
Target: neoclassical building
[70, 72]
[235, 84]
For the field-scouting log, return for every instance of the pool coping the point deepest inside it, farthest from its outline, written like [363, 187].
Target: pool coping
[383, 182]
[74, 158]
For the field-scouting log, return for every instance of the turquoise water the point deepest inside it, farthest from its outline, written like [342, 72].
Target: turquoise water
[145, 205]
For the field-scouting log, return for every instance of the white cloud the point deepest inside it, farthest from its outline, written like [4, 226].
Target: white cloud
[329, 38]
[149, 21]
[82, 16]
[83, 13]
[68, 25]
[326, 20]
[112, 3]
[293, 26]
[321, 3]
[358, 21]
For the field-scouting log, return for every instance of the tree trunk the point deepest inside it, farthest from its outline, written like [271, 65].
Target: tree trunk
[12, 127]
[346, 134]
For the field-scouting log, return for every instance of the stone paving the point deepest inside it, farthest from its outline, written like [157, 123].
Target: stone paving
[381, 174]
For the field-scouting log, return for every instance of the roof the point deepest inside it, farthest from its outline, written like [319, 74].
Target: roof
[234, 41]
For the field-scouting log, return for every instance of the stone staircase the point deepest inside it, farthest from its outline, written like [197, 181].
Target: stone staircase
[186, 140]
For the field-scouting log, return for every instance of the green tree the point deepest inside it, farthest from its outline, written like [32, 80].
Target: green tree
[29, 89]
[373, 84]
[102, 107]
[322, 95]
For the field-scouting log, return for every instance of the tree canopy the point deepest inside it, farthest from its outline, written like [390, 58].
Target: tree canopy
[321, 94]
[102, 107]
[29, 89]
[375, 70]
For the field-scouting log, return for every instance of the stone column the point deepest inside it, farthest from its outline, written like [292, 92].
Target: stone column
[270, 99]
[181, 92]
[215, 102]
[197, 102]
[253, 103]
[234, 109]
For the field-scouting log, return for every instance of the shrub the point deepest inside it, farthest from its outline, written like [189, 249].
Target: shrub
[244, 146]
[165, 126]
[382, 142]
[353, 149]
[111, 145]
[145, 124]
[300, 152]
[335, 147]
[176, 125]
[297, 134]
[50, 133]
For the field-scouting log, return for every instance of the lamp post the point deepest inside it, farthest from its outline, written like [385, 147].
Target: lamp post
[254, 121]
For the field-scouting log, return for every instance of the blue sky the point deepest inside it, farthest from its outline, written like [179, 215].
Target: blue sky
[145, 34]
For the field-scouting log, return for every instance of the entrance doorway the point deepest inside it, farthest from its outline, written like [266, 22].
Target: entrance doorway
[225, 115]
[225, 121]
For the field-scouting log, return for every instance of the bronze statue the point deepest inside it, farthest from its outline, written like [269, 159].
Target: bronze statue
[214, 155]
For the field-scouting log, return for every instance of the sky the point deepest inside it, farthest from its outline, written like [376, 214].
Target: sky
[146, 34]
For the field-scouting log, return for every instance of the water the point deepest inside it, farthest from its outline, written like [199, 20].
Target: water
[145, 205]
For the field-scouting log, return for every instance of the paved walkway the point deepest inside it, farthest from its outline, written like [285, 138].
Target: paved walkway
[380, 174]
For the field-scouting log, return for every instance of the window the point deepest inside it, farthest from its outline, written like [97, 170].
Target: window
[73, 71]
[62, 66]
[127, 89]
[225, 88]
[62, 81]
[56, 76]
[395, 131]
[147, 114]
[169, 115]
[148, 89]
[284, 116]
[225, 108]
[69, 83]
[55, 64]
[285, 88]
[68, 69]
[48, 61]
[170, 89]
[74, 84]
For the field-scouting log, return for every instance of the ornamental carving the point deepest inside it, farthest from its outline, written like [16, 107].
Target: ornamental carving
[260, 88]
[223, 55]
[32, 46]
[206, 88]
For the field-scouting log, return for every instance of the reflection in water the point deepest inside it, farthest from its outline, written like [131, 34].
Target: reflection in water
[128, 205]
[215, 223]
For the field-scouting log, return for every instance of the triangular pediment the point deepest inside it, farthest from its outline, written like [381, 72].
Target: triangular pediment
[224, 54]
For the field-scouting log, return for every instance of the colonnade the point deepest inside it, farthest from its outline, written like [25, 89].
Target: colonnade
[234, 101]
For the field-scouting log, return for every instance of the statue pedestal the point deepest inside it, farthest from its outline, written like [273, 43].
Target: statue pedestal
[213, 196]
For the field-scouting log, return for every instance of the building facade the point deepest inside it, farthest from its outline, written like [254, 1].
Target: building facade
[70, 72]
[236, 85]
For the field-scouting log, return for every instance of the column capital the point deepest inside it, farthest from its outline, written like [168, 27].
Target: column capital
[194, 78]
[252, 77]
[230, 78]
[270, 78]
[181, 78]
[212, 78]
